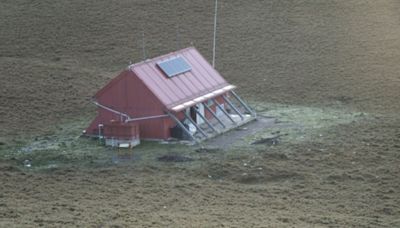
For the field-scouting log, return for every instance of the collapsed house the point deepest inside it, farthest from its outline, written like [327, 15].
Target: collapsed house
[178, 95]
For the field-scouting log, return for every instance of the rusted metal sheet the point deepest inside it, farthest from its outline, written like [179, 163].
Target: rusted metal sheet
[202, 79]
[120, 130]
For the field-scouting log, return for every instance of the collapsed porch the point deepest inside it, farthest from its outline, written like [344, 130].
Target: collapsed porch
[223, 119]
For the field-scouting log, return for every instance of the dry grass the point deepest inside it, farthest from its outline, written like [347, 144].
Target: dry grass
[339, 55]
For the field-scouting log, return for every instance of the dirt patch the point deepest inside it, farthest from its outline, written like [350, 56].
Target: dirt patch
[248, 171]
[265, 176]
[275, 155]
[203, 149]
[236, 136]
[6, 167]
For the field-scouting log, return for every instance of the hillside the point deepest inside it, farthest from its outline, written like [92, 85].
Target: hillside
[342, 55]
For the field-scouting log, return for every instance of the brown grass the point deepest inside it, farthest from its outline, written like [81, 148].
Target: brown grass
[54, 55]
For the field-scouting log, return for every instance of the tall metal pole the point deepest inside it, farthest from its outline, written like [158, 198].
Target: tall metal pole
[178, 41]
[215, 32]
[143, 43]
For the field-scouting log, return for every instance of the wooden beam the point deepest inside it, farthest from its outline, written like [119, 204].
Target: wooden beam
[243, 103]
[214, 115]
[181, 125]
[223, 110]
[232, 106]
[195, 124]
[205, 120]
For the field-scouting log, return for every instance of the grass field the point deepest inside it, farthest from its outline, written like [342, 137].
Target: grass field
[327, 70]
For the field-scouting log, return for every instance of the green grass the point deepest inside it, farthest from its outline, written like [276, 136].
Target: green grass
[299, 124]
[63, 146]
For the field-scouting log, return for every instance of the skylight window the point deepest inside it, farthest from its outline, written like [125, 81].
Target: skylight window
[174, 66]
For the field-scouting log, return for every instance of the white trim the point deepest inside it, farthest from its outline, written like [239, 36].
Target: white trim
[200, 99]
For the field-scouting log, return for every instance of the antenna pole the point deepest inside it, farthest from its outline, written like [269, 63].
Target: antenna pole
[178, 41]
[215, 32]
[143, 44]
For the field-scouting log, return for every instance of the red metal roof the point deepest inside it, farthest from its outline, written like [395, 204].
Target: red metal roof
[201, 80]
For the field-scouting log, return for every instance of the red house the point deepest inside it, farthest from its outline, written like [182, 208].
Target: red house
[177, 95]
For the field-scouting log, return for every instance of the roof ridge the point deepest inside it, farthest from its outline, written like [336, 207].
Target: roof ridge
[159, 57]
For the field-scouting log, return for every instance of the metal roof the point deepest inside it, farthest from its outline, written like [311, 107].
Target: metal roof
[202, 81]
[174, 66]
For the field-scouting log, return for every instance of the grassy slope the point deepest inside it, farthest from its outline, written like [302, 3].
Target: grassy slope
[341, 54]
[55, 55]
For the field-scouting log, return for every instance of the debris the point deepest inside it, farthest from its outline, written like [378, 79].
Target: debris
[285, 220]
[280, 156]
[52, 166]
[27, 163]
[26, 150]
[269, 141]
[174, 158]
[206, 150]
[170, 141]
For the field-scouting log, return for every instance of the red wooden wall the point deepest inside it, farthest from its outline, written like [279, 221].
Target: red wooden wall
[128, 94]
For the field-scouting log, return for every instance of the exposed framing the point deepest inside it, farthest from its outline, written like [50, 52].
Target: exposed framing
[223, 110]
